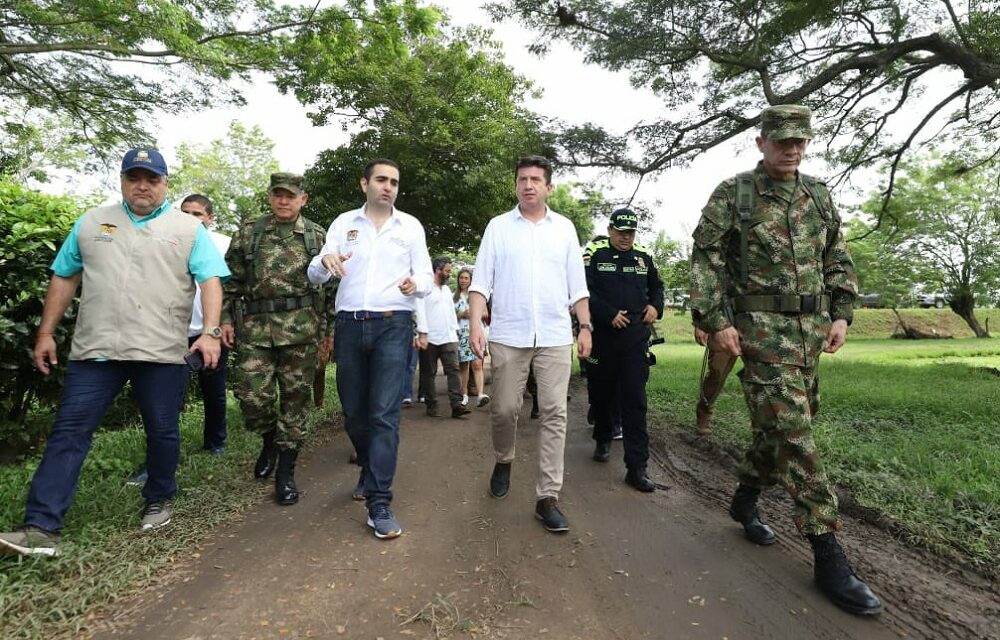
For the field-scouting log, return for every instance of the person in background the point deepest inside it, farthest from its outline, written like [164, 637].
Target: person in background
[470, 364]
[111, 251]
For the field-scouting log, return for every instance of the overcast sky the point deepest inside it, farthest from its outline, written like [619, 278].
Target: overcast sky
[572, 91]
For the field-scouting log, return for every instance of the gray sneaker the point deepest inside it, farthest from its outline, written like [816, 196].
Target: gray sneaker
[156, 515]
[28, 541]
[380, 519]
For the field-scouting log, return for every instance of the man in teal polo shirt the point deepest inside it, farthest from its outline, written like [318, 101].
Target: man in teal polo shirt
[137, 262]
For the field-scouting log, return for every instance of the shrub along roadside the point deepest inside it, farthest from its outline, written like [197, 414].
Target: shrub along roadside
[907, 427]
[104, 556]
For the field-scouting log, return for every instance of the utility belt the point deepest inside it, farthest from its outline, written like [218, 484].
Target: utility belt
[782, 303]
[273, 305]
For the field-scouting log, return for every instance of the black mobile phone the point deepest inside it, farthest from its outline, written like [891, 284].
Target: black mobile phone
[194, 360]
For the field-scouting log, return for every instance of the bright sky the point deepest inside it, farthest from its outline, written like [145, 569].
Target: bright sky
[572, 91]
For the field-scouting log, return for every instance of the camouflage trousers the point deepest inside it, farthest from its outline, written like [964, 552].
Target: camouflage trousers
[274, 386]
[781, 399]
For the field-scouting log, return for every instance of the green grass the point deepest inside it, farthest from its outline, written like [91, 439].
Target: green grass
[908, 427]
[104, 557]
[868, 323]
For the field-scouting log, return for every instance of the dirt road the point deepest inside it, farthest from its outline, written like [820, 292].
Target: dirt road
[666, 565]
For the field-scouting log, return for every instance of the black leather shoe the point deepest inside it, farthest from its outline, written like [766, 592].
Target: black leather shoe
[638, 480]
[432, 411]
[460, 411]
[552, 519]
[500, 480]
[602, 452]
[285, 491]
[837, 580]
[743, 509]
[268, 457]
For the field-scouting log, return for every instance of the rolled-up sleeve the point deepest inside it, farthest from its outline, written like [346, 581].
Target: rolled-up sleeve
[576, 276]
[482, 274]
[420, 263]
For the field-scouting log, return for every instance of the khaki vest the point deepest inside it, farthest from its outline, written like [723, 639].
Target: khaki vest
[137, 291]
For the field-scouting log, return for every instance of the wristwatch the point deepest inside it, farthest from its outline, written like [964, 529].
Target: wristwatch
[589, 326]
[214, 332]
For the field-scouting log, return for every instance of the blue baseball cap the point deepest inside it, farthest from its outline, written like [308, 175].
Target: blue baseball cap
[148, 159]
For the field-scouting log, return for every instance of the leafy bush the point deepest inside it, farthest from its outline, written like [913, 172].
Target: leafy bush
[31, 226]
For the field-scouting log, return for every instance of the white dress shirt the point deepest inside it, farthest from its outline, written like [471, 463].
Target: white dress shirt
[379, 261]
[436, 316]
[534, 271]
[197, 325]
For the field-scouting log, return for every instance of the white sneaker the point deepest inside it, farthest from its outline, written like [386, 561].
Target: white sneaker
[465, 400]
[483, 400]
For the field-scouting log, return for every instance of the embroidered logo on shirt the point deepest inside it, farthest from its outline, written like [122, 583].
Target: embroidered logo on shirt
[607, 266]
[107, 232]
[352, 236]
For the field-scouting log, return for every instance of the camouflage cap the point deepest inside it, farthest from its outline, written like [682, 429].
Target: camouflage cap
[288, 181]
[786, 121]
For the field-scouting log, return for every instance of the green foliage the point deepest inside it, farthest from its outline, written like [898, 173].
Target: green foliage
[880, 76]
[233, 171]
[34, 144]
[444, 107]
[896, 427]
[943, 224]
[581, 205]
[672, 261]
[31, 227]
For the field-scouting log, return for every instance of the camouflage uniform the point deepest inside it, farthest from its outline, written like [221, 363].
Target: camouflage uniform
[276, 347]
[792, 249]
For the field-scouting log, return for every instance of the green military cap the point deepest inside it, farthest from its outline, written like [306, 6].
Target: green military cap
[786, 121]
[287, 181]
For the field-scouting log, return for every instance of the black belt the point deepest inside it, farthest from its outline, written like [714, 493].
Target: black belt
[272, 305]
[782, 303]
[367, 315]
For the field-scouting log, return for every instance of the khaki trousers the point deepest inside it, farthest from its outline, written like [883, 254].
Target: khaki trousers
[510, 374]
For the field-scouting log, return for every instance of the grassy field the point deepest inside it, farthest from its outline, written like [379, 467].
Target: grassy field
[104, 556]
[908, 427]
[869, 323]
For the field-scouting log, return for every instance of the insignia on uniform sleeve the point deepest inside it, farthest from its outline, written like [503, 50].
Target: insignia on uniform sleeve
[586, 259]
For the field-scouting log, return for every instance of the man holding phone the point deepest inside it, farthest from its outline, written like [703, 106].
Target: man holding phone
[129, 328]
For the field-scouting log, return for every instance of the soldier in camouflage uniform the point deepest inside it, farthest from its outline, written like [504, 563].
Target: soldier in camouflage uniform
[772, 282]
[280, 320]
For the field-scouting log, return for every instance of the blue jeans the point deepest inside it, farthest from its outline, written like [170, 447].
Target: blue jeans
[213, 394]
[411, 367]
[371, 367]
[89, 389]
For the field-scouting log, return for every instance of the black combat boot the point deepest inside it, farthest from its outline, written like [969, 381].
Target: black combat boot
[285, 491]
[638, 480]
[837, 580]
[744, 510]
[267, 458]
[602, 452]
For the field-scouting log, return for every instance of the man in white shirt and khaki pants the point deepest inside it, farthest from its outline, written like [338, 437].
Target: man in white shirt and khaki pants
[531, 263]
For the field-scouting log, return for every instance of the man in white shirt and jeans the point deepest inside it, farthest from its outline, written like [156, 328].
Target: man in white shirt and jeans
[380, 255]
[531, 263]
[438, 310]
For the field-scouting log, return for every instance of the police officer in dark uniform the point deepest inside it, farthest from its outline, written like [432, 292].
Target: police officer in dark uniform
[626, 297]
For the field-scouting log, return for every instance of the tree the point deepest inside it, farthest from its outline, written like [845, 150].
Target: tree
[581, 204]
[233, 171]
[32, 145]
[946, 222]
[107, 63]
[881, 77]
[447, 109]
[672, 261]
